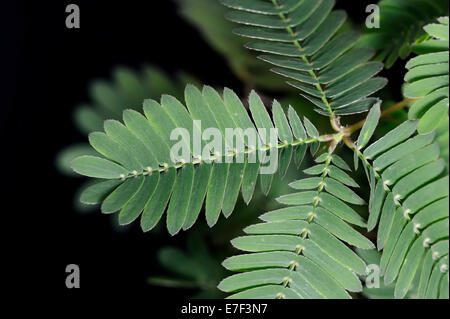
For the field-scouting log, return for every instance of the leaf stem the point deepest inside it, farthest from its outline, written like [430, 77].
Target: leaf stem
[336, 138]
[398, 106]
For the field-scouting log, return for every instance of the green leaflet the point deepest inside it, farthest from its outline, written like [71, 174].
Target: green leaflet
[352, 79]
[281, 123]
[142, 154]
[315, 170]
[249, 180]
[109, 148]
[339, 162]
[141, 127]
[267, 292]
[341, 274]
[409, 269]
[97, 167]
[262, 7]
[136, 204]
[96, 193]
[428, 121]
[375, 205]
[324, 218]
[297, 127]
[304, 43]
[341, 191]
[121, 195]
[340, 209]
[310, 128]
[267, 243]
[284, 160]
[266, 181]
[157, 202]
[238, 113]
[299, 154]
[310, 284]
[369, 126]
[178, 206]
[341, 176]
[406, 148]
[233, 185]
[287, 213]
[66, 156]
[342, 230]
[394, 137]
[200, 187]
[297, 198]
[261, 117]
[159, 118]
[216, 192]
[260, 260]
[307, 183]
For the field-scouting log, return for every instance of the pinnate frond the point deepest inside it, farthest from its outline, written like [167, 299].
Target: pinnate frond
[301, 39]
[301, 251]
[142, 177]
[409, 203]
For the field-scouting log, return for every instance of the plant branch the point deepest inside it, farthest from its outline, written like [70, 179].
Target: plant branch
[398, 106]
[333, 138]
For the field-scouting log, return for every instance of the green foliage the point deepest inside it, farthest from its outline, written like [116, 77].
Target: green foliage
[298, 252]
[143, 178]
[401, 23]
[68, 154]
[194, 268]
[315, 246]
[428, 78]
[208, 17]
[379, 290]
[109, 99]
[302, 39]
[409, 202]
[442, 138]
[127, 90]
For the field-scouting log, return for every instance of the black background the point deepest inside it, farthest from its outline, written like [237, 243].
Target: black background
[46, 69]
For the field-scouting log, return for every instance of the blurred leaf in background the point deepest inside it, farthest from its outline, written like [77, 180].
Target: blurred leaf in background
[373, 257]
[401, 23]
[108, 99]
[127, 90]
[208, 17]
[192, 268]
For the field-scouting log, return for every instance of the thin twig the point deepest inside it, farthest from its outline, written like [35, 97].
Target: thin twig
[357, 126]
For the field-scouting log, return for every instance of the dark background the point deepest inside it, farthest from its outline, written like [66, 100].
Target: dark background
[46, 69]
